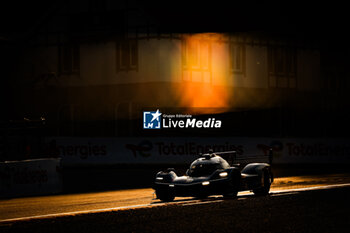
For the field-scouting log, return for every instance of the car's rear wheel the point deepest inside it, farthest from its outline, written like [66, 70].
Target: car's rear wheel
[266, 183]
[164, 195]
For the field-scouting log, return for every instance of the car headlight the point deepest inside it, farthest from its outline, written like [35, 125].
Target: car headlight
[205, 183]
[159, 178]
[223, 174]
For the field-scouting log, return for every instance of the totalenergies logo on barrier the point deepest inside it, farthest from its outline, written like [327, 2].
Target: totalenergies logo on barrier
[317, 149]
[144, 148]
[82, 150]
[276, 146]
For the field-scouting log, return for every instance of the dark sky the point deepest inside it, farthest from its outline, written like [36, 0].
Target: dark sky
[279, 16]
[325, 21]
[19, 15]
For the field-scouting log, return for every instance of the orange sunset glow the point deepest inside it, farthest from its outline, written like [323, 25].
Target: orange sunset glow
[204, 77]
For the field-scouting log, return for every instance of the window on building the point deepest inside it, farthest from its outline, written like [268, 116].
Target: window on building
[282, 67]
[127, 55]
[282, 62]
[196, 55]
[237, 58]
[69, 62]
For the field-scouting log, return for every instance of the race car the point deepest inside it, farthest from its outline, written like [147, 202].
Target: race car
[211, 174]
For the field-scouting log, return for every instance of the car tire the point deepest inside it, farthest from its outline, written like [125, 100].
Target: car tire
[165, 196]
[265, 188]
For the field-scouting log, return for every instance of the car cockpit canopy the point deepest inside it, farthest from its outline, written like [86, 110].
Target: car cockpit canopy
[207, 165]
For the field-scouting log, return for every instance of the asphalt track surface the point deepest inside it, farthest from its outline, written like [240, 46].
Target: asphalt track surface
[29, 208]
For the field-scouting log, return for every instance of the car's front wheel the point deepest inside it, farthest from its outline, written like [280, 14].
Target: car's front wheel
[164, 195]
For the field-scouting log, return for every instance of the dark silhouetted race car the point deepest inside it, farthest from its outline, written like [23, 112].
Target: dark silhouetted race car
[211, 174]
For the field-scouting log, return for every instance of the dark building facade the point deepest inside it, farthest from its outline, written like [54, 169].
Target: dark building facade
[90, 68]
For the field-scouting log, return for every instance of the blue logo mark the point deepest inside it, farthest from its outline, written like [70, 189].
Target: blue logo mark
[151, 120]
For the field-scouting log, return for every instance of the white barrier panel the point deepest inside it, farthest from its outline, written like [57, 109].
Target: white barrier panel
[87, 151]
[30, 177]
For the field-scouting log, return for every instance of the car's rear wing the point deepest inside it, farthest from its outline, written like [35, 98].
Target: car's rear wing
[235, 160]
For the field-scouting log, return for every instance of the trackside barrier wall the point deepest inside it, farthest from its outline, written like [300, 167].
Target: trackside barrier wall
[30, 177]
[76, 151]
